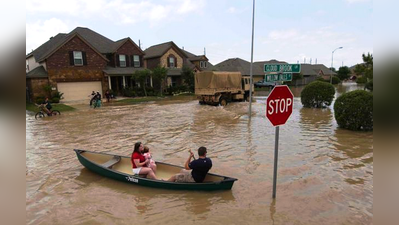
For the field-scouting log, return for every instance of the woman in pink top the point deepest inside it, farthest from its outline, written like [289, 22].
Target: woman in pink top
[150, 161]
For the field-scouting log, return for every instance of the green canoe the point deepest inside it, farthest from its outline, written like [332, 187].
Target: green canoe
[120, 168]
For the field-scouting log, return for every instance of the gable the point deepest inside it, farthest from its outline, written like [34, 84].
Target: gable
[67, 41]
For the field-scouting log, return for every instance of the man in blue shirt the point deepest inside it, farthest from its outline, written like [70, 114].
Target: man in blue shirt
[199, 168]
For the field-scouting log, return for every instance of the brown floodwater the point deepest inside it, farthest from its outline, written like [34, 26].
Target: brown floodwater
[325, 174]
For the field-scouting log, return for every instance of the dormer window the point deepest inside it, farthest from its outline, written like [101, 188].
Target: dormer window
[77, 58]
[171, 62]
[122, 60]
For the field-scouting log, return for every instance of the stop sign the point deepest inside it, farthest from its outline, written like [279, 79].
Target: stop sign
[279, 105]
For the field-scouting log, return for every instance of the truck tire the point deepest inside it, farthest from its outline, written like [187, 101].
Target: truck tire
[222, 101]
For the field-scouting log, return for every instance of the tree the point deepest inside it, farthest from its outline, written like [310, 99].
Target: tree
[159, 76]
[343, 73]
[366, 68]
[141, 76]
[188, 76]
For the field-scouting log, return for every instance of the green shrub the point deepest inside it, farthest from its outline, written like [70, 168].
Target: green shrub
[336, 80]
[317, 94]
[322, 79]
[55, 100]
[58, 95]
[354, 110]
[369, 85]
[361, 80]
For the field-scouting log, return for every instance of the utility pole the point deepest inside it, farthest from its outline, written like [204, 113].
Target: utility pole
[252, 59]
[332, 62]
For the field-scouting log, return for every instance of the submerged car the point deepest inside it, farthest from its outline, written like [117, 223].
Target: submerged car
[263, 83]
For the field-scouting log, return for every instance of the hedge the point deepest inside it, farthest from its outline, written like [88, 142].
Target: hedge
[317, 94]
[354, 110]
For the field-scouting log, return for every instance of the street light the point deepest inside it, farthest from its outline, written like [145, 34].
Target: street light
[332, 62]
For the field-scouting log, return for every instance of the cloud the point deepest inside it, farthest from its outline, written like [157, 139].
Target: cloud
[292, 45]
[232, 10]
[39, 32]
[118, 11]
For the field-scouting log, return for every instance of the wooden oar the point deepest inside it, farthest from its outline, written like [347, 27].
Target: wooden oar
[192, 153]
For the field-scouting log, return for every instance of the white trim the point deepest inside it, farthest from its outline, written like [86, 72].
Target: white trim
[109, 83]
[124, 81]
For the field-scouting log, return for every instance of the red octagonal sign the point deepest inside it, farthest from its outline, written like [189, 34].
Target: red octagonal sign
[279, 105]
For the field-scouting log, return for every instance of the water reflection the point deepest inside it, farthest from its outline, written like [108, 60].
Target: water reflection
[353, 144]
[146, 200]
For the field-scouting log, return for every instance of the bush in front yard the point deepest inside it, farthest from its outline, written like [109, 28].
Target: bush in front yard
[55, 100]
[317, 94]
[335, 80]
[354, 110]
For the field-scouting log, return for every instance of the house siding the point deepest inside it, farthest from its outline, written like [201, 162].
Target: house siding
[165, 56]
[36, 87]
[152, 63]
[60, 70]
[128, 48]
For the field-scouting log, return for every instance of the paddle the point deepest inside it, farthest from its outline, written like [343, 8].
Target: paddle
[192, 154]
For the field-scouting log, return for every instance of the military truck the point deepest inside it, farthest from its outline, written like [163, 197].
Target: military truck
[220, 88]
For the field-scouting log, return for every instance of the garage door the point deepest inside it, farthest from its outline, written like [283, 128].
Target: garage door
[75, 91]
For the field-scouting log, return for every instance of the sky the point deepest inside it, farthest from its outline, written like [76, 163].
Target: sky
[287, 30]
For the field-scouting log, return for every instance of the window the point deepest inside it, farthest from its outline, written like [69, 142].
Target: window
[77, 58]
[205, 64]
[202, 64]
[122, 60]
[136, 60]
[171, 62]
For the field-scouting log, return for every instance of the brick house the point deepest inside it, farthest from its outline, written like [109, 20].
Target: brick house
[170, 56]
[80, 62]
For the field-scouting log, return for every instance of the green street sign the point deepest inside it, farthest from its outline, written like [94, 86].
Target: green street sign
[278, 77]
[288, 68]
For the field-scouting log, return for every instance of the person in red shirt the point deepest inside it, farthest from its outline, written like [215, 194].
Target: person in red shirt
[140, 163]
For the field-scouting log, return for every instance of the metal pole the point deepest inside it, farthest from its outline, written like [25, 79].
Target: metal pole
[275, 161]
[332, 62]
[252, 58]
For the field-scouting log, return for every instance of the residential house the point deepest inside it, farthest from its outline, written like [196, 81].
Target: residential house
[243, 66]
[80, 62]
[311, 72]
[170, 56]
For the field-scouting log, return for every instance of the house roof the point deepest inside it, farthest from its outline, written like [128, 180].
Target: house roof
[47, 47]
[121, 70]
[38, 72]
[160, 49]
[306, 68]
[240, 65]
[100, 43]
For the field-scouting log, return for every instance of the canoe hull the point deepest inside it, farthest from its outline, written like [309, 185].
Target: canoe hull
[225, 184]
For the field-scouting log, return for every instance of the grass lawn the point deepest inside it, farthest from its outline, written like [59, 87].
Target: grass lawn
[262, 89]
[61, 107]
[139, 100]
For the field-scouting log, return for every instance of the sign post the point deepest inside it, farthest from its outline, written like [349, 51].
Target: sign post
[279, 106]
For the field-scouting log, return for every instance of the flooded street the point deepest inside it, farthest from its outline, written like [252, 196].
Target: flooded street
[325, 174]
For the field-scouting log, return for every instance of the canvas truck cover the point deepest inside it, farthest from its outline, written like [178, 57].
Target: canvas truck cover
[210, 82]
